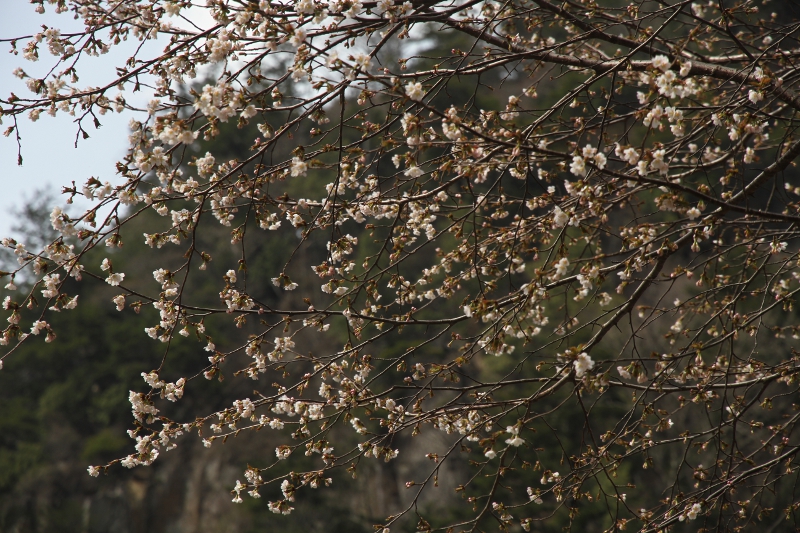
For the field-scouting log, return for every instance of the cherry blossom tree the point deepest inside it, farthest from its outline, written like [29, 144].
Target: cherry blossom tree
[506, 214]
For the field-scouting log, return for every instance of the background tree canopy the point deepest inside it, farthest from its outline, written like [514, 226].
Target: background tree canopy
[411, 266]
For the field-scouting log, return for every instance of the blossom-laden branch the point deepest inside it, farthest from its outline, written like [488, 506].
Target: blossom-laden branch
[620, 231]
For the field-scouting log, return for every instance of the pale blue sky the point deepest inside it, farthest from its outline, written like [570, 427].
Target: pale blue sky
[50, 159]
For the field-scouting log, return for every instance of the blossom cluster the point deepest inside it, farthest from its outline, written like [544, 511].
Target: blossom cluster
[555, 239]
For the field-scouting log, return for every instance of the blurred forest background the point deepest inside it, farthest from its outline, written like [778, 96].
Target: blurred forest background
[64, 405]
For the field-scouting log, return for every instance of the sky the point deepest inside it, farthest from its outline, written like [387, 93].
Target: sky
[50, 158]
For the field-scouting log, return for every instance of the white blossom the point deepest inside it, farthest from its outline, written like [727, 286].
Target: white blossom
[583, 364]
[414, 91]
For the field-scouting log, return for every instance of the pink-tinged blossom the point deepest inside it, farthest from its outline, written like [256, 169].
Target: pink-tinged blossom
[115, 279]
